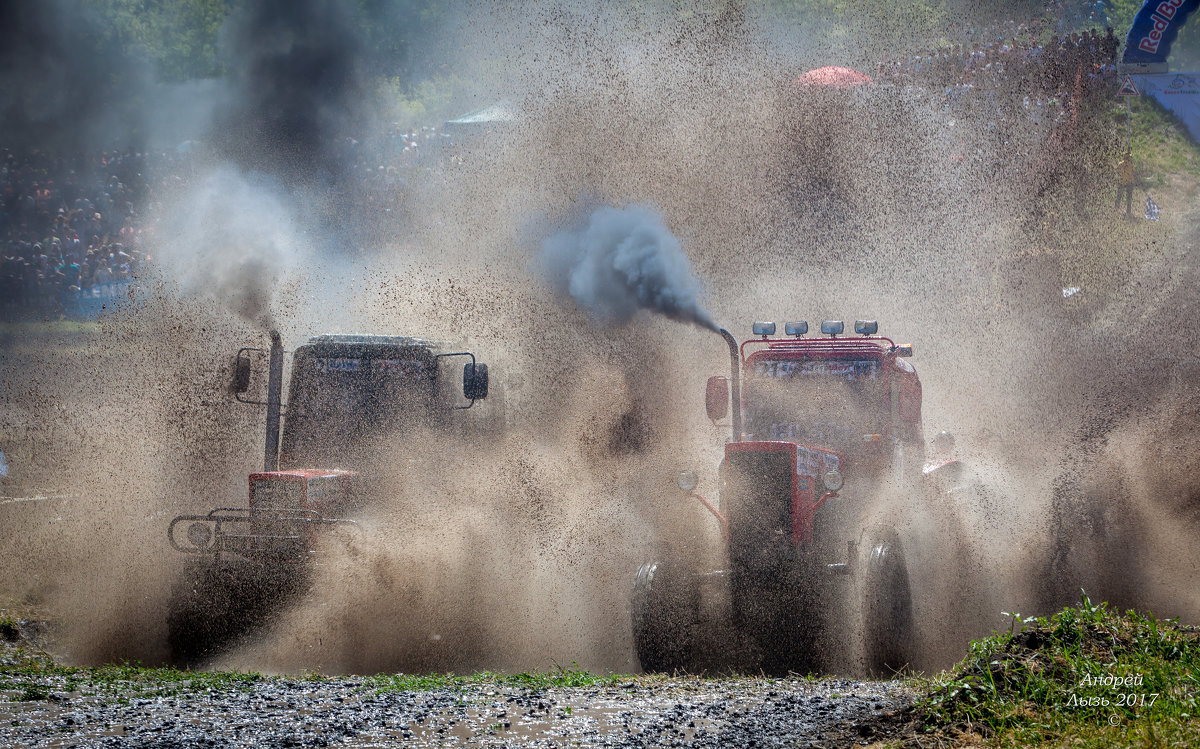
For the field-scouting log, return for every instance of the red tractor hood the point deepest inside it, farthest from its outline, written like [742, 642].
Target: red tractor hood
[801, 484]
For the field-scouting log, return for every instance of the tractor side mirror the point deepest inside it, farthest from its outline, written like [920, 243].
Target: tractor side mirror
[475, 381]
[241, 374]
[716, 397]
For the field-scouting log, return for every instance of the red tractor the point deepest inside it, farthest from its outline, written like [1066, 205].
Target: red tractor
[807, 559]
[351, 399]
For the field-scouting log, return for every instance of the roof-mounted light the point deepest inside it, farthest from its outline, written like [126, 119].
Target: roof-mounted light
[795, 328]
[366, 339]
[764, 328]
[832, 327]
[866, 327]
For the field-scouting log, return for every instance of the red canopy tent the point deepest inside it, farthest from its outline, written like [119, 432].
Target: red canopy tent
[831, 75]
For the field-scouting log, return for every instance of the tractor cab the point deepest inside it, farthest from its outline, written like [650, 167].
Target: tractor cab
[351, 394]
[856, 396]
[808, 411]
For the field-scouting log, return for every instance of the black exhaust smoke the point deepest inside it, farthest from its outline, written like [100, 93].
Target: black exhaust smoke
[296, 85]
[65, 85]
[622, 260]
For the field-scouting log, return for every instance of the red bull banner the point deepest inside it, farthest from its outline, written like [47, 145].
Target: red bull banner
[1154, 30]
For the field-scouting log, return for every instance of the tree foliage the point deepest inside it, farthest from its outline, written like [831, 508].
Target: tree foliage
[181, 38]
[178, 37]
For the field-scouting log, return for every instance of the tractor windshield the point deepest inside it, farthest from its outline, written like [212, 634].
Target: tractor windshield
[339, 407]
[829, 403]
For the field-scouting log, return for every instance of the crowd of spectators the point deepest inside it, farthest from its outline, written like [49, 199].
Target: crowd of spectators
[68, 224]
[1033, 99]
[1020, 62]
[417, 147]
[74, 225]
[383, 169]
[1018, 70]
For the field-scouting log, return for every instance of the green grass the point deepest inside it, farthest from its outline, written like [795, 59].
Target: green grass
[34, 675]
[1159, 143]
[556, 678]
[53, 337]
[1098, 247]
[1040, 684]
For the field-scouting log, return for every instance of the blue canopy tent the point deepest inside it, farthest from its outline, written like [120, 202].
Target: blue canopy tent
[497, 116]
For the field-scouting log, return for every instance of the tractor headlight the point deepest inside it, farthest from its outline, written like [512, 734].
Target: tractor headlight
[832, 480]
[687, 480]
[199, 535]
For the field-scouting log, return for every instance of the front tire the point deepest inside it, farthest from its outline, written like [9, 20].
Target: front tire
[887, 610]
[214, 605]
[665, 611]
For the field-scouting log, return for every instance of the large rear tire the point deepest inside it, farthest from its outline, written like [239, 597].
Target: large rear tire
[887, 610]
[665, 609]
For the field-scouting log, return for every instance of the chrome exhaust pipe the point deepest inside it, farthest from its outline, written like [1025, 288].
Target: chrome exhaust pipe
[274, 402]
[735, 383]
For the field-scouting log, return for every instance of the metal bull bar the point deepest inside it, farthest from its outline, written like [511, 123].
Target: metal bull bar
[225, 529]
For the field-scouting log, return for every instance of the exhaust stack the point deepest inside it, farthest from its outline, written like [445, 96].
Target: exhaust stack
[735, 383]
[274, 402]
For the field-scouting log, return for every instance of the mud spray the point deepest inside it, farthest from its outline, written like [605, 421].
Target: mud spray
[665, 147]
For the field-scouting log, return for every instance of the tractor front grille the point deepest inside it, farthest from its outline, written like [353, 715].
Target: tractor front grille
[759, 505]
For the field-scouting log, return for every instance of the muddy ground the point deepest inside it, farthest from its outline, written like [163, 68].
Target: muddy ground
[353, 712]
